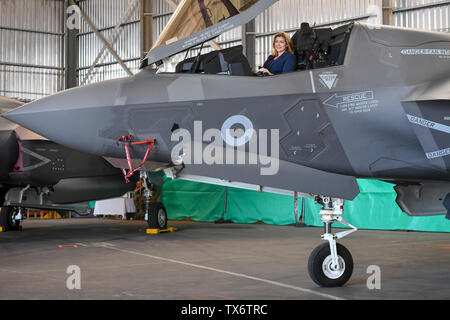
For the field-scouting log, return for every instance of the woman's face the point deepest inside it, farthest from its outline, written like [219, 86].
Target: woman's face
[280, 44]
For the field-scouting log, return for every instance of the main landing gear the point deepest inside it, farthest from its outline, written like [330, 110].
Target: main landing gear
[10, 218]
[331, 264]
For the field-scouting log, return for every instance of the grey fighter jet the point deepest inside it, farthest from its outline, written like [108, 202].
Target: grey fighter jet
[366, 102]
[40, 174]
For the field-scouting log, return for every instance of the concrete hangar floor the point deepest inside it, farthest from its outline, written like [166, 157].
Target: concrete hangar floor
[207, 261]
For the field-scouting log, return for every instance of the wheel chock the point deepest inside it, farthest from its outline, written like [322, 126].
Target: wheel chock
[156, 231]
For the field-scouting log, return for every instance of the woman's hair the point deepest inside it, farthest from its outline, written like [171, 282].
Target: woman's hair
[286, 38]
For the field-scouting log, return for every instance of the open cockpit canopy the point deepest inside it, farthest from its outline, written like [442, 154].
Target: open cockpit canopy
[197, 21]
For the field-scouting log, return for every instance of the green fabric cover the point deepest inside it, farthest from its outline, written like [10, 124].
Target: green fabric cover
[198, 201]
[247, 206]
[373, 208]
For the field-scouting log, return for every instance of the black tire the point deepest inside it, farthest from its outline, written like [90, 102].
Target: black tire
[318, 261]
[6, 219]
[157, 216]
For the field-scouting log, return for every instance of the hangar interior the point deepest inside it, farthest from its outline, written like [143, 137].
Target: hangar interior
[47, 46]
[44, 52]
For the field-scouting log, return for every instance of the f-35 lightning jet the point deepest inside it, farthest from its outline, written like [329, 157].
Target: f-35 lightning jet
[366, 102]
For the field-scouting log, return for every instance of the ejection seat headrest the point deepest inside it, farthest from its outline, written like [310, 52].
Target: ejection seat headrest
[305, 28]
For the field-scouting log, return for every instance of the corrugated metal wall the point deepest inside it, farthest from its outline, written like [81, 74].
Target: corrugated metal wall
[105, 14]
[162, 13]
[31, 42]
[423, 14]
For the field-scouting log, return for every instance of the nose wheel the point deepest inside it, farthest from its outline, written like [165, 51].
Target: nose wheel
[324, 272]
[157, 218]
[155, 213]
[331, 264]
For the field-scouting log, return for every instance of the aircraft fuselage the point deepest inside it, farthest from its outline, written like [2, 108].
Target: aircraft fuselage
[381, 114]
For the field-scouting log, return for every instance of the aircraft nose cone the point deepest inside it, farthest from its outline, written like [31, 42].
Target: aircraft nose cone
[71, 117]
[25, 115]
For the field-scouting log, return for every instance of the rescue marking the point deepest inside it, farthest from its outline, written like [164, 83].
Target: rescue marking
[240, 275]
[428, 124]
[336, 101]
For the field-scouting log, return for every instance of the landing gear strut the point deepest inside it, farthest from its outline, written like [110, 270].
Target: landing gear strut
[331, 264]
[155, 213]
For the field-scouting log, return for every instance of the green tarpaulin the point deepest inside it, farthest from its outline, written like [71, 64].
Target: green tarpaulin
[373, 208]
[198, 201]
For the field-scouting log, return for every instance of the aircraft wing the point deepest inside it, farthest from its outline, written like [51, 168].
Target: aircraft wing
[290, 176]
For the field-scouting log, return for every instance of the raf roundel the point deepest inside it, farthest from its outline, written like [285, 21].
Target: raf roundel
[233, 120]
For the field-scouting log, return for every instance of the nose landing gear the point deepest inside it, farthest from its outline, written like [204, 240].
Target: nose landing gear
[155, 213]
[331, 264]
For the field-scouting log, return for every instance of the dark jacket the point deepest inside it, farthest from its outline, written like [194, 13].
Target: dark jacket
[285, 63]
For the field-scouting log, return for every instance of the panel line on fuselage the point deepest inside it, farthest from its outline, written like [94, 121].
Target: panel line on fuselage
[312, 82]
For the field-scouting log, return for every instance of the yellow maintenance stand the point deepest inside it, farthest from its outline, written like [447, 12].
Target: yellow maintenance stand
[157, 231]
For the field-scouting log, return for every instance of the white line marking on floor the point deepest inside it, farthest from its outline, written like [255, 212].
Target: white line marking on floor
[82, 244]
[229, 273]
[95, 244]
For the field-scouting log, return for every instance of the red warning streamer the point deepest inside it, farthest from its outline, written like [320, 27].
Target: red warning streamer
[126, 140]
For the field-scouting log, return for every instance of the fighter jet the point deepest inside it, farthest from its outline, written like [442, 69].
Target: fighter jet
[365, 102]
[37, 173]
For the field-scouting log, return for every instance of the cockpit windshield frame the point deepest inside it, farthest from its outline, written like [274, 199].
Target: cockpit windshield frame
[197, 21]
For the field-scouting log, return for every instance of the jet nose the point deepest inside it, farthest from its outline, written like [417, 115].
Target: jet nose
[24, 115]
[71, 117]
